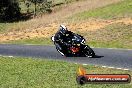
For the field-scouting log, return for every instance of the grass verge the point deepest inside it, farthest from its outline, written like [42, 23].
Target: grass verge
[21, 72]
[37, 41]
[116, 10]
[116, 35]
[113, 36]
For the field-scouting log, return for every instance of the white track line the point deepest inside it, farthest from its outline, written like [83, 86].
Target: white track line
[6, 56]
[110, 67]
[10, 56]
[115, 68]
[85, 64]
[118, 68]
[104, 66]
[126, 69]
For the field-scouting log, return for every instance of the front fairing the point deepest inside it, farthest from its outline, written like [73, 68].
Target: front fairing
[77, 39]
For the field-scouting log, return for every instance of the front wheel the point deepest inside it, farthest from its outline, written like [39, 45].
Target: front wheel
[88, 51]
[59, 49]
[52, 38]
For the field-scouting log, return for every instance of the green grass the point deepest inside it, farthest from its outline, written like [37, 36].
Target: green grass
[113, 36]
[21, 72]
[5, 27]
[116, 10]
[24, 7]
[40, 41]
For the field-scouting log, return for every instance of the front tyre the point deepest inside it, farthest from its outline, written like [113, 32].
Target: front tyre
[88, 51]
[52, 38]
[59, 49]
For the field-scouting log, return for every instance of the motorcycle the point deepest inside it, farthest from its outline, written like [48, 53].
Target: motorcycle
[75, 47]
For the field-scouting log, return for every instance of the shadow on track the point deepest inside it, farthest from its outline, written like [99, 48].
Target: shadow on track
[97, 56]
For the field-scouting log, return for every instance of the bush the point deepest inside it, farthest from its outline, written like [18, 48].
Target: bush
[9, 10]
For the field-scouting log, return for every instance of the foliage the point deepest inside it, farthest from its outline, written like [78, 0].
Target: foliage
[116, 10]
[41, 6]
[9, 10]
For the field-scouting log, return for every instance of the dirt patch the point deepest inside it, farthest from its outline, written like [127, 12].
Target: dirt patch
[50, 29]
[62, 14]
[96, 24]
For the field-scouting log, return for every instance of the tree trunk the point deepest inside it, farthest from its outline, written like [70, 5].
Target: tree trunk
[35, 8]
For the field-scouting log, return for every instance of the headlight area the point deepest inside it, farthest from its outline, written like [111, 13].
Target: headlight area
[83, 41]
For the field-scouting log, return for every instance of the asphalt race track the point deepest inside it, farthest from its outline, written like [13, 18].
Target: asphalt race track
[119, 58]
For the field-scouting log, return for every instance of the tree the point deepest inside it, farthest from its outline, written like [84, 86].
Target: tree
[35, 5]
[27, 3]
[9, 10]
[44, 5]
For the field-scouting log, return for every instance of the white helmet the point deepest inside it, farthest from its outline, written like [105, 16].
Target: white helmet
[63, 29]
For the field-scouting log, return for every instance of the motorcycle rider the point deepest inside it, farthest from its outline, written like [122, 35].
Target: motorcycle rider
[62, 36]
[64, 39]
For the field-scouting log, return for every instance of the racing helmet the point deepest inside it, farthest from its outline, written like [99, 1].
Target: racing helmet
[63, 29]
